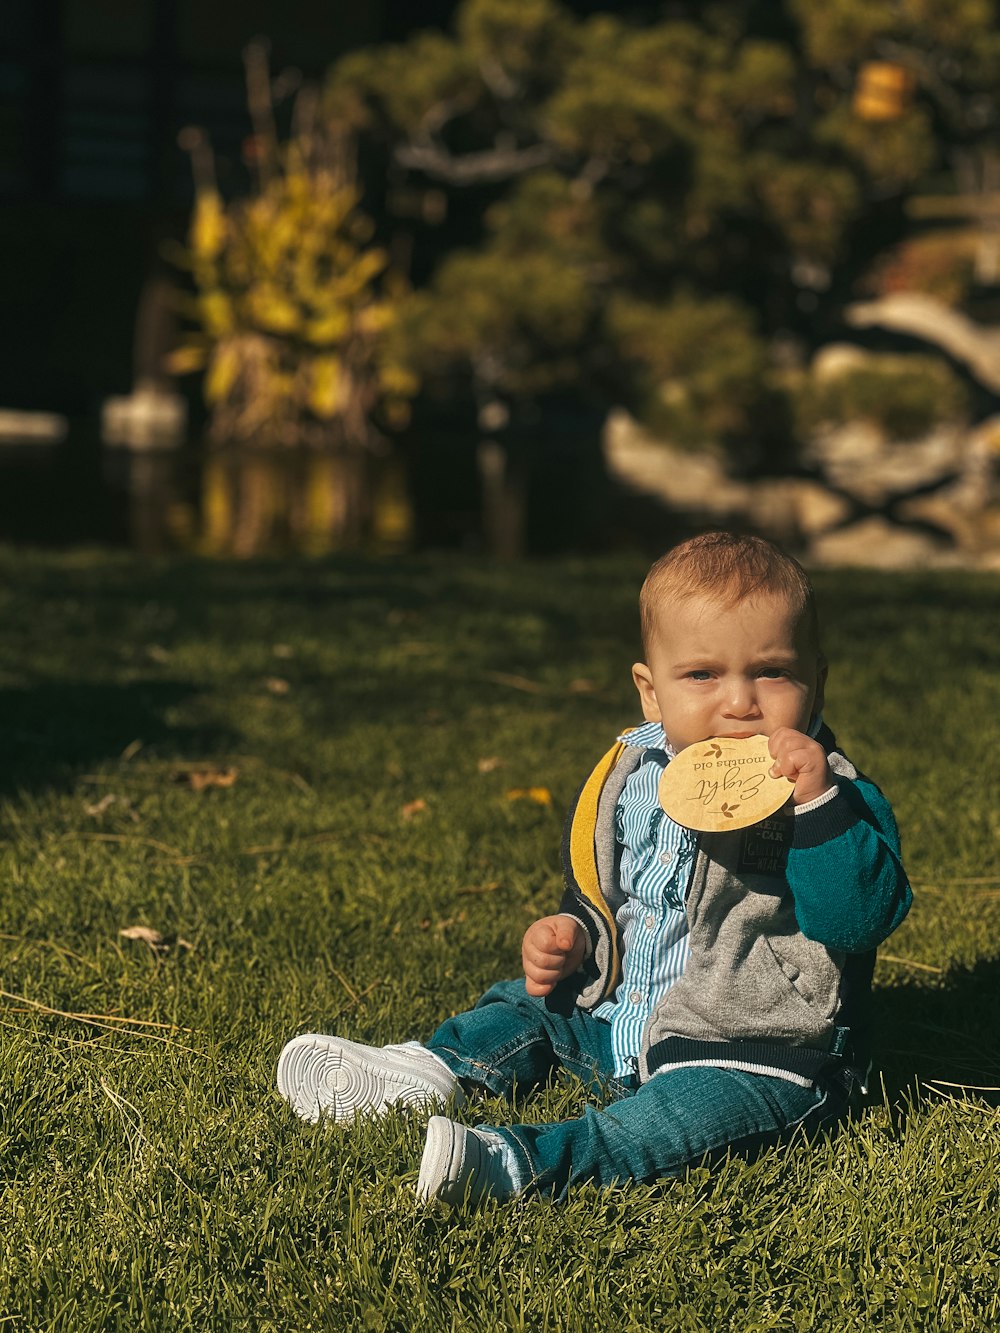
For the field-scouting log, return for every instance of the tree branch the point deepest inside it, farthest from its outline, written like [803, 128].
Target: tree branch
[499, 82]
[495, 164]
[437, 116]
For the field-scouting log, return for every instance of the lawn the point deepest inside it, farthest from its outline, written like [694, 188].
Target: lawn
[300, 776]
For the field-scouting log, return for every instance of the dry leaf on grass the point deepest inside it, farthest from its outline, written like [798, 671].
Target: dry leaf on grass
[157, 942]
[582, 686]
[106, 802]
[412, 808]
[277, 685]
[199, 779]
[145, 933]
[99, 807]
[441, 925]
[489, 763]
[283, 650]
[515, 682]
[540, 795]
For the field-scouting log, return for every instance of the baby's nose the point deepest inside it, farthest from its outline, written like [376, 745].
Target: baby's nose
[742, 699]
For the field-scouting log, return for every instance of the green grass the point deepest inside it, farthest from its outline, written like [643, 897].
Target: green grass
[151, 1177]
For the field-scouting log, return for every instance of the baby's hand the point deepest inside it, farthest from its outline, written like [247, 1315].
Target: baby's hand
[552, 948]
[802, 761]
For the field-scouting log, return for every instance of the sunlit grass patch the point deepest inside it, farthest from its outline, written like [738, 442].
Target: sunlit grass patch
[365, 870]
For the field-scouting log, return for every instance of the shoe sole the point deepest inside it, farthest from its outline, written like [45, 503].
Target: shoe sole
[441, 1163]
[326, 1076]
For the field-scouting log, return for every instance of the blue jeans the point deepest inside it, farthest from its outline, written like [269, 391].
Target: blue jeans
[512, 1041]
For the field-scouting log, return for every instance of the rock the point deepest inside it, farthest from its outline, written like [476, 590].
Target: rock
[793, 508]
[151, 417]
[922, 316]
[861, 465]
[694, 482]
[836, 359]
[968, 508]
[859, 460]
[879, 544]
[787, 508]
[973, 531]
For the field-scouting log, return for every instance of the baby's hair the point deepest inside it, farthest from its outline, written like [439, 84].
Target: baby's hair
[732, 568]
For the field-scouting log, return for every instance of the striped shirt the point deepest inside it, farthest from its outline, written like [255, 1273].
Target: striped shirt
[656, 860]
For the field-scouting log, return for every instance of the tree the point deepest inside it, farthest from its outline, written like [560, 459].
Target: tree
[635, 209]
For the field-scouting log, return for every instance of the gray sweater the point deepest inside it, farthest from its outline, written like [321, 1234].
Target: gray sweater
[784, 918]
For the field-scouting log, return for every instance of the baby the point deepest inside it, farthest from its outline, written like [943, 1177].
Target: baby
[712, 987]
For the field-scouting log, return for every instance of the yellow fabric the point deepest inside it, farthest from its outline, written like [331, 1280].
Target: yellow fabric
[583, 859]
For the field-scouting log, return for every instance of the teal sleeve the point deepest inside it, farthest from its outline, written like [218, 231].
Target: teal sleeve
[844, 870]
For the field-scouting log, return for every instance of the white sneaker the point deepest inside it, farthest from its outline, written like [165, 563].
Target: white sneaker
[462, 1164]
[327, 1076]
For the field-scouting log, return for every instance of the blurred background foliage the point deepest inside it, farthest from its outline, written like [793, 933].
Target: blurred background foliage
[903, 397]
[647, 211]
[291, 306]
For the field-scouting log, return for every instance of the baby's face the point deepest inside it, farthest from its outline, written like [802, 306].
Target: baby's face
[721, 670]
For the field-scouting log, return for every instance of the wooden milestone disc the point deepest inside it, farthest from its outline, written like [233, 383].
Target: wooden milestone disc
[722, 783]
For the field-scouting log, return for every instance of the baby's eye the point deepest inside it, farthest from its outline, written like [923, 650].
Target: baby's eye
[773, 673]
[699, 675]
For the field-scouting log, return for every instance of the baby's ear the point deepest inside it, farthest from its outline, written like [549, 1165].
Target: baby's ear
[642, 678]
[821, 671]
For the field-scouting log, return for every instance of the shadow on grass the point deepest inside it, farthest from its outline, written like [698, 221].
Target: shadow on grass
[55, 730]
[941, 1036]
[198, 585]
